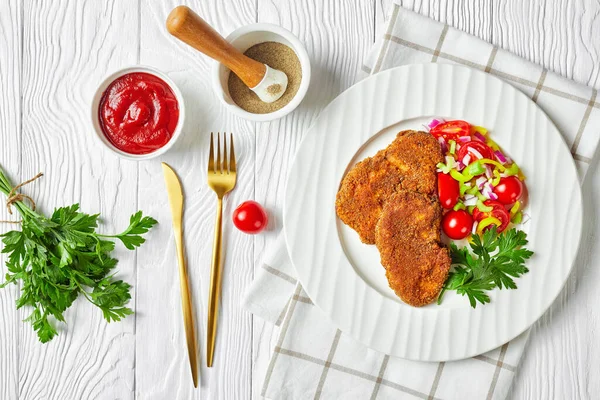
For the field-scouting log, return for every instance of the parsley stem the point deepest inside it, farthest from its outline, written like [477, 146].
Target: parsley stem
[85, 293]
[61, 256]
[439, 300]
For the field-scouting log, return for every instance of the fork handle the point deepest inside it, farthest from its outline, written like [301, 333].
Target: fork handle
[215, 287]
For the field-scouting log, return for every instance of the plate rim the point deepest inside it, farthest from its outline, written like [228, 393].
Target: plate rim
[437, 67]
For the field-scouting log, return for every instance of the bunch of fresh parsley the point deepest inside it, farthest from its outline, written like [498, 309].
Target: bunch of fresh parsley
[58, 258]
[497, 258]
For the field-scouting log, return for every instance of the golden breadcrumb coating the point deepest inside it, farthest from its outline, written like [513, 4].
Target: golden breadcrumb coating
[391, 200]
[408, 163]
[408, 239]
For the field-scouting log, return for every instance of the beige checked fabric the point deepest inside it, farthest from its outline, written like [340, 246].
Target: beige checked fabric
[312, 358]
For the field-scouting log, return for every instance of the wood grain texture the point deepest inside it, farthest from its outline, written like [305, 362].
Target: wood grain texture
[562, 36]
[68, 47]
[53, 54]
[337, 36]
[10, 161]
[561, 358]
[162, 369]
[472, 16]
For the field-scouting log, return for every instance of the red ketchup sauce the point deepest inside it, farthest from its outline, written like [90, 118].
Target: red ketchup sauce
[138, 113]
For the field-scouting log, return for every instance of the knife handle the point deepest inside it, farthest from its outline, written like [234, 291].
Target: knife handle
[215, 287]
[186, 306]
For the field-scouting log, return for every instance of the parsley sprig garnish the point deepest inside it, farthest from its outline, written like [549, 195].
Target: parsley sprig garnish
[493, 261]
[58, 258]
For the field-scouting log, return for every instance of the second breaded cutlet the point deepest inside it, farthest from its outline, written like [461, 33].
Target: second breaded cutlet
[408, 163]
[408, 239]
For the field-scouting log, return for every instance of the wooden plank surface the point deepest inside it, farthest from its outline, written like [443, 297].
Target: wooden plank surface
[162, 369]
[10, 161]
[560, 361]
[67, 49]
[337, 36]
[472, 16]
[53, 54]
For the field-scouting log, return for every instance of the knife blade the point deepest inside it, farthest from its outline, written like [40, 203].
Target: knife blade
[175, 193]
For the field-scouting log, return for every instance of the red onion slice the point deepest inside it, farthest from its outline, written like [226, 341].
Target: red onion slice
[500, 157]
[443, 144]
[472, 201]
[479, 137]
[480, 182]
[434, 122]
[475, 153]
[488, 171]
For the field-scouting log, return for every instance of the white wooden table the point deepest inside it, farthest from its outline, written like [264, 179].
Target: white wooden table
[52, 56]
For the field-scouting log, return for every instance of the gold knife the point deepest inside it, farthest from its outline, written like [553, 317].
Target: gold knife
[175, 193]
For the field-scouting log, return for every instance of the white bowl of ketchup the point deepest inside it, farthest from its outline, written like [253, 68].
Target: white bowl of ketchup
[138, 113]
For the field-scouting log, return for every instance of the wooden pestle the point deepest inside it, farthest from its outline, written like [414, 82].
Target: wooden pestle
[187, 26]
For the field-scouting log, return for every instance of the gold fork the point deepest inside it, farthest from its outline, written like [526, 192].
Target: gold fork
[221, 179]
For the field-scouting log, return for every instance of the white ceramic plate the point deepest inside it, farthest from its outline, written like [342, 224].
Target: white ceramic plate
[345, 278]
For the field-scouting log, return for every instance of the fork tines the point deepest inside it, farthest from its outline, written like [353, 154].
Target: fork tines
[221, 165]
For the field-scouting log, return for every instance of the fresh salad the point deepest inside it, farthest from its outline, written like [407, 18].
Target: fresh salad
[479, 186]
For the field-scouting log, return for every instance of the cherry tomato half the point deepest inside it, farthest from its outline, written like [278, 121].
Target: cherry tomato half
[451, 130]
[448, 190]
[457, 224]
[509, 190]
[482, 148]
[498, 211]
[250, 217]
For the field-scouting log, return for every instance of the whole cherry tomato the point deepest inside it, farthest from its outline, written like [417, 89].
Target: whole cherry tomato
[480, 147]
[457, 224]
[498, 211]
[451, 130]
[250, 217]
[448, 190]
[509, 190]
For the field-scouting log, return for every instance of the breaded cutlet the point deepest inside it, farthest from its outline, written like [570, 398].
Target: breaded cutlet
[408, 239]
[408, 163]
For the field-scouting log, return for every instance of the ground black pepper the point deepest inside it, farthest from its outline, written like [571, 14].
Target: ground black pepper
[275, 55]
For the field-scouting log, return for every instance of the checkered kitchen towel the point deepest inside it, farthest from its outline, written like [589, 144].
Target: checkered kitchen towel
[313, 359]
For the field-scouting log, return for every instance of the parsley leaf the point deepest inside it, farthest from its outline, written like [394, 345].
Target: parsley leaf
[493, 261]
[57, 259]
[138, 225]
